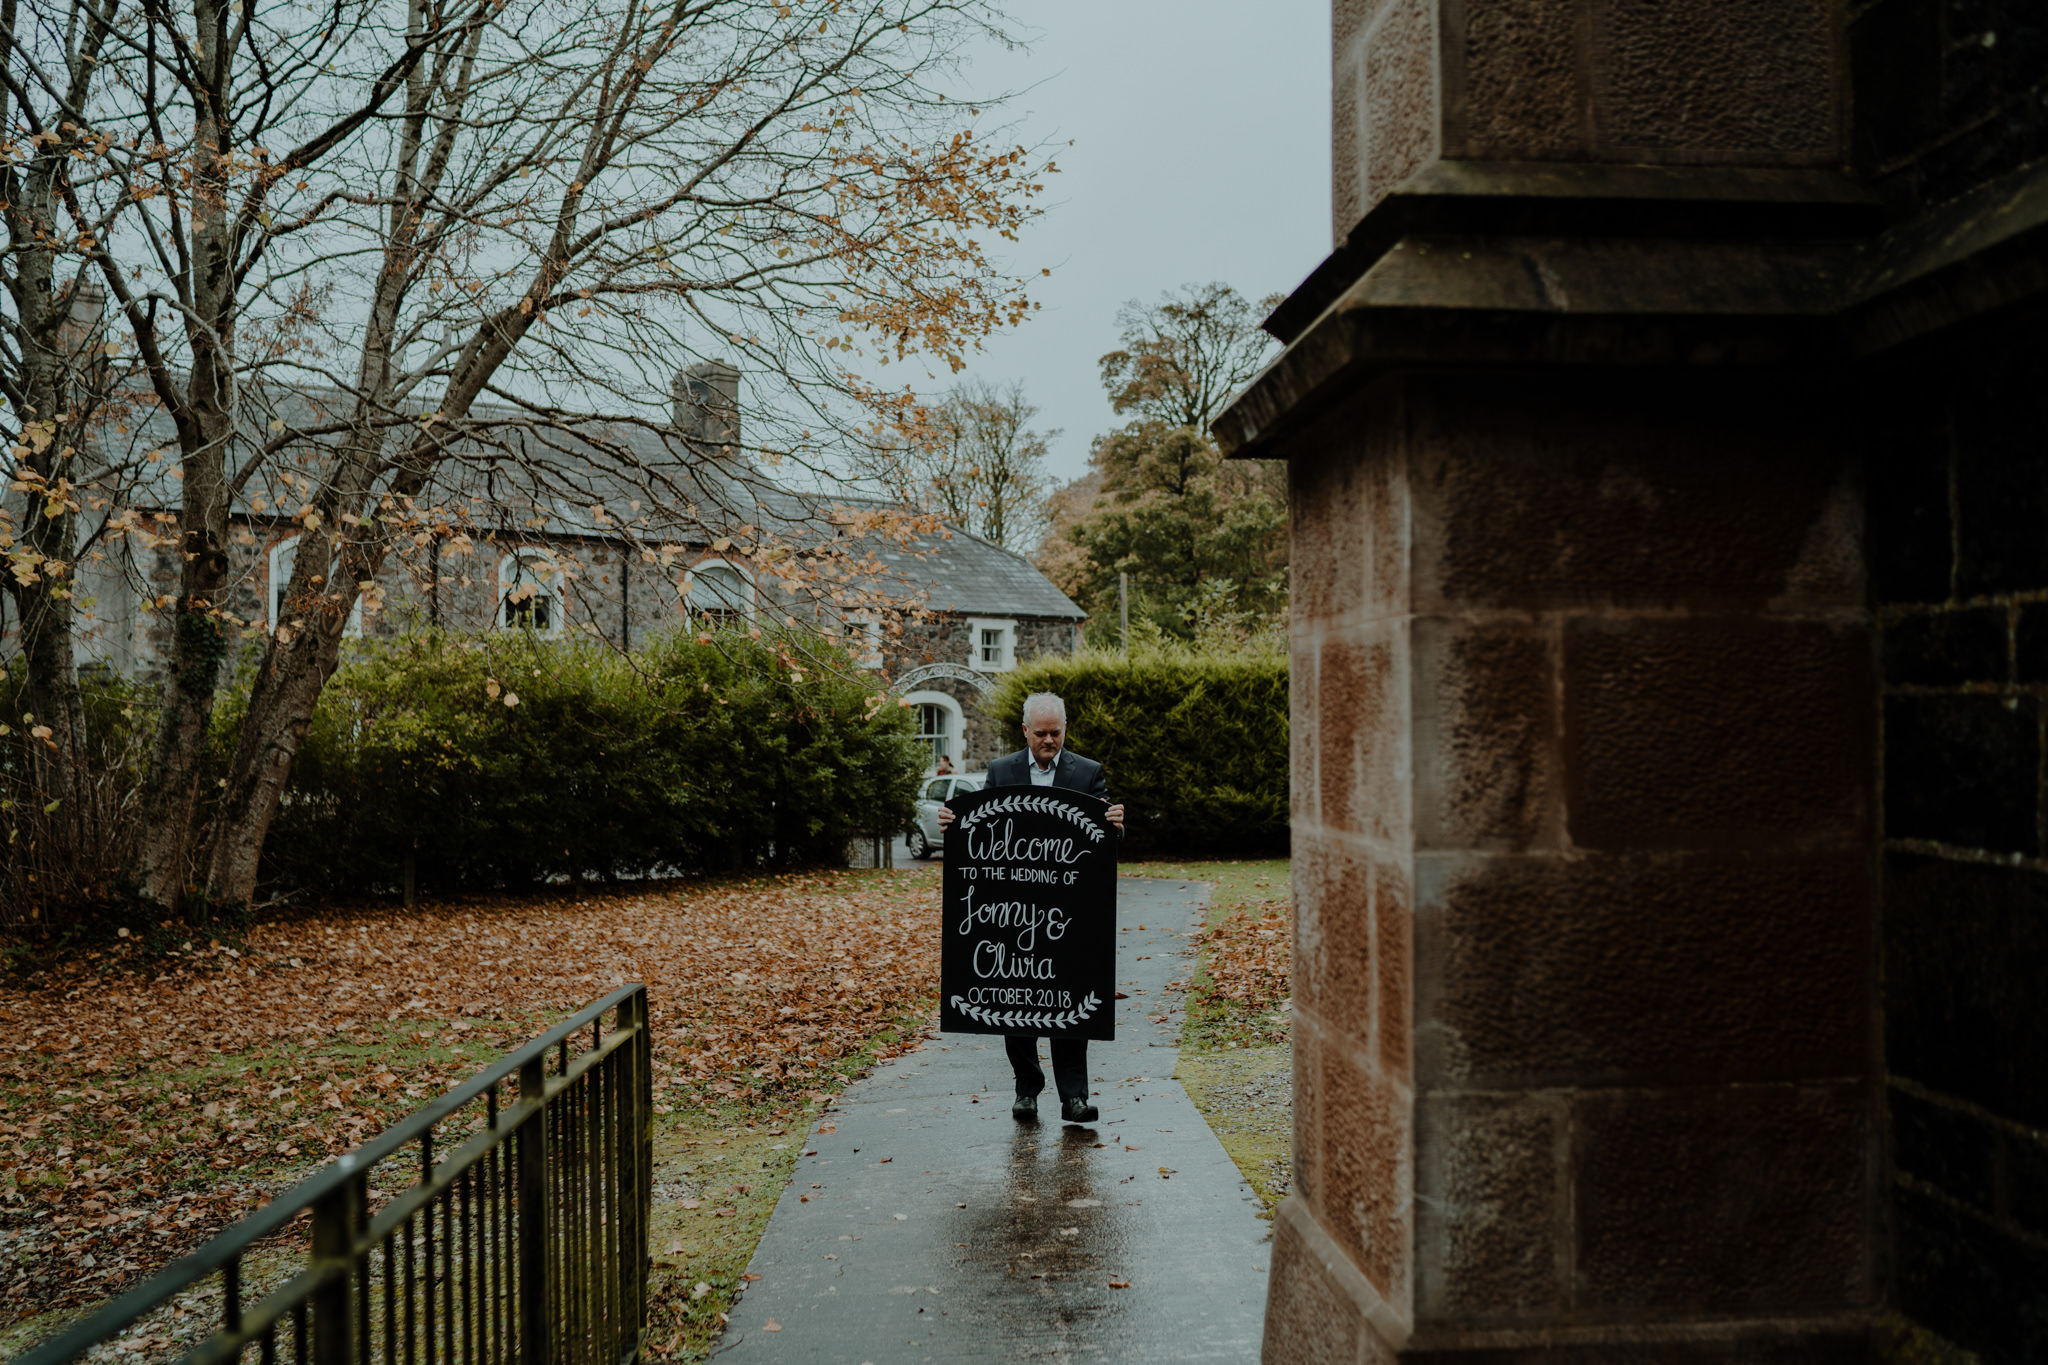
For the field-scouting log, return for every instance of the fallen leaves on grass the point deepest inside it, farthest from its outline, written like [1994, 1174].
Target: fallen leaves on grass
[1247, 961]
[145, 1105]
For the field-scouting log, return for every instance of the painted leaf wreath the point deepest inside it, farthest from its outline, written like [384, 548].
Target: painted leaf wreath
[1038, 1019]
[1043, 805]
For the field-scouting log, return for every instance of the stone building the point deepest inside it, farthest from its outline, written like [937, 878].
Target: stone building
[1668, 450]
[940, 613]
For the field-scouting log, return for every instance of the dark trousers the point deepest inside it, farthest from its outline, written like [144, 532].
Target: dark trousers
[1069, 1065]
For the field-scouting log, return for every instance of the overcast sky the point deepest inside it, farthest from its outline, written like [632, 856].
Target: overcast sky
[1201, 152]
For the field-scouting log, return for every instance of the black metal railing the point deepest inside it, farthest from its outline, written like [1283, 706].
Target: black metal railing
[527, 1242]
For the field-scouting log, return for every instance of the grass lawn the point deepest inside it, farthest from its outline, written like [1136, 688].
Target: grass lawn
[1235, 1057]
[149, 1101]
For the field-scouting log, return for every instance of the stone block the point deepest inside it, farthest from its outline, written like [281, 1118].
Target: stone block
[1349, 19]
[1969, 70]
[1368, 1168]
[1399, 94]
[1566, 491]
[1308, 1112]
[1363, 733]
[1963, 770]
[1965, 953]
[1347, 506]
[2022, 41]
[1912, 548]
[1492, 1207]
[1545, 971]
[1393, 912]
[1974, 1283]
[1946, 648]
[2026, 1181]
[1723, 1200]
[2030, 644]
[1347, 160]
[1772, 1341]
[1999, 408]
[1309, 1320]
[1716, 732]
[1759, 84]
[1351, 946]
[1485, 742]
[1332, 895]
[1895, 61]
[2001, 143]
[1303, 734]
[1522, 78]
[1949, 1148]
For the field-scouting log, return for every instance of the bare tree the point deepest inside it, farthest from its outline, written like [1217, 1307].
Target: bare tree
[488, 239]
[1183, 357]
[976, 462]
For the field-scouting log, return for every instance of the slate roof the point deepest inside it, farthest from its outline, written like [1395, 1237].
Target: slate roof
[955, 572]
[974, 577]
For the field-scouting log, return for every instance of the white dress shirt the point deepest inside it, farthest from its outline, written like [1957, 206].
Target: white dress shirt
[1042, 777]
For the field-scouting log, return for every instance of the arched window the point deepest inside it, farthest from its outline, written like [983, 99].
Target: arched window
[719, 592]
[284, 556]
[939, 726]
[530, 592]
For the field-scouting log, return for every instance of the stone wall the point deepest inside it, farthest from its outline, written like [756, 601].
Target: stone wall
[946, 639]
[624, 602]
[1583, 829]
[1947, 95]
[1668, 438]
[619, 596]
[1959, 554]
[1578, 80]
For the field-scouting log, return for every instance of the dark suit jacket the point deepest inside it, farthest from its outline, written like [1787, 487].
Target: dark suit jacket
[1074, 773]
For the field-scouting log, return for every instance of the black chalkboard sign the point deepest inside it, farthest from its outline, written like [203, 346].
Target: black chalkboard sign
[1030, 915]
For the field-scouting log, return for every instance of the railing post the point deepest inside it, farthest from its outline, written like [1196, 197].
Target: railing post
[335, 1220]
[536, 1326]
[636, 1150]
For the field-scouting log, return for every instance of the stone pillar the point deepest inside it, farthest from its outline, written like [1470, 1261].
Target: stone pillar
[1619, 375]
[1583, 849]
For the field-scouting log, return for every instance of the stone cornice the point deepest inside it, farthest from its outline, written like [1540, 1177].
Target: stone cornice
[1445, 299]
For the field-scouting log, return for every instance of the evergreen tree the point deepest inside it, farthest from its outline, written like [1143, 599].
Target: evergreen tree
[1204, 540]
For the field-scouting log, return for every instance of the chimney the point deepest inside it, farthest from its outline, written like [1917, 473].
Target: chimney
[705, 401]
[84, 319]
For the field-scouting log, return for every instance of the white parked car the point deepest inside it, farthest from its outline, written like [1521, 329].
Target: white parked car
[923, 835]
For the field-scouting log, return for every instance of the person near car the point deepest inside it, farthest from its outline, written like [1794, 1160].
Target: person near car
[944, 768]
[1045, 762]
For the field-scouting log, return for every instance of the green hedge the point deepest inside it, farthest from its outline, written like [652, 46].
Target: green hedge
[1194, 744]
[680, 756]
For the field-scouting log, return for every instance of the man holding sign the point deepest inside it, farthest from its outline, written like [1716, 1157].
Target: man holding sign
[1018, 924]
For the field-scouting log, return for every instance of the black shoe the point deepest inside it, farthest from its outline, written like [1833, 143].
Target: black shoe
[1025, 1110]
[1078, 1111]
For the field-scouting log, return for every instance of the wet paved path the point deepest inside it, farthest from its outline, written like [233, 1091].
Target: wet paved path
[940, 1229]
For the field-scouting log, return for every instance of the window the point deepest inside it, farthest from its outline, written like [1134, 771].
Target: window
[939, 726]
[719, 593]
[284, 557]
[864, 638]
[529, 592]
[991, 645]
[933, 728]
[937, 790]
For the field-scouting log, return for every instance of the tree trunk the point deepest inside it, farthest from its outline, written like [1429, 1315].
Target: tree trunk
[53, 438]
[280, 712]
[201, 639]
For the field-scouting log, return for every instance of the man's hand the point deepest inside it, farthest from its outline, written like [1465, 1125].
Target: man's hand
[946, 816]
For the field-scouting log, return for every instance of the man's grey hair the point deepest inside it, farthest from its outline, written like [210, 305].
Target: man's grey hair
[1039, 702]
